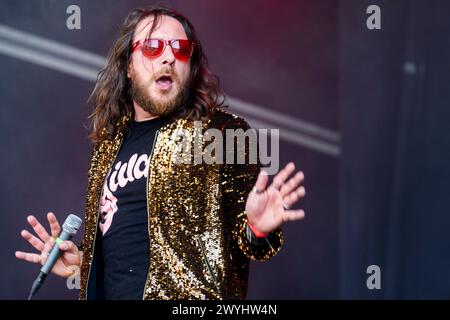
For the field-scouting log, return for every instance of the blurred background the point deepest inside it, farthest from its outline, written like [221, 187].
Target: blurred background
[364, 113]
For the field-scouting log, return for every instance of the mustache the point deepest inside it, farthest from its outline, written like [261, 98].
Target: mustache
[167, 71]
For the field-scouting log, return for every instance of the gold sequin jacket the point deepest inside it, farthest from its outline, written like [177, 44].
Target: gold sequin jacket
[199, 248]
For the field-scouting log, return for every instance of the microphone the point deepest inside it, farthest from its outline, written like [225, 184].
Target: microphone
[69, 229]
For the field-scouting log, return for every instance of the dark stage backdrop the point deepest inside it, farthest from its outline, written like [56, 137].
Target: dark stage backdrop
[395, 178]
[362, 112]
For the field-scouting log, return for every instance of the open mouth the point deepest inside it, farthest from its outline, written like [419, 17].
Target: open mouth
[164, 82]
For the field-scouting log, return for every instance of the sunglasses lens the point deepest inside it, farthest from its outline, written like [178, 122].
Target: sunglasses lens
[152, 48]
[182, 49]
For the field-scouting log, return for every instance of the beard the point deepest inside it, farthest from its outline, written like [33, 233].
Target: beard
[164, 104]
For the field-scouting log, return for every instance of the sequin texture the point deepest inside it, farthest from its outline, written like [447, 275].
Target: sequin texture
[197, 220]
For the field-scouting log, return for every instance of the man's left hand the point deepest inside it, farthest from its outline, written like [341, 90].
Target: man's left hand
[268, 207]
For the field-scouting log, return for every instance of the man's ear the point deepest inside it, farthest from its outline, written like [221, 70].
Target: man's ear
[129, 70]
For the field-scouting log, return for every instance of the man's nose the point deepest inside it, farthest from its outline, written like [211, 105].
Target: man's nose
[167, 56]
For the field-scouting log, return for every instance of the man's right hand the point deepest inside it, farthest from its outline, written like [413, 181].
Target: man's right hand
[70, 257]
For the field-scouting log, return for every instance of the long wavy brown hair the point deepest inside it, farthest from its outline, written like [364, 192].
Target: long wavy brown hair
[111, 96]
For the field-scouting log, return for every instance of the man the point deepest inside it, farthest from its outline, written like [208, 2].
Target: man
[156, 228]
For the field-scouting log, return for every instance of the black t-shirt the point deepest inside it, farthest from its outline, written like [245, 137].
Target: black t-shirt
[123, 224]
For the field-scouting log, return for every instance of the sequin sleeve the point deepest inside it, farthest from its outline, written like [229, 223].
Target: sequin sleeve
[90, 175]
[237, 180]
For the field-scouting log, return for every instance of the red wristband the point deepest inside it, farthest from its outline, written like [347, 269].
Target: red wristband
[258, 234]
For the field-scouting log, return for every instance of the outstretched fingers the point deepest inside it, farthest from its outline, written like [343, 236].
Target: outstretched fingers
[54, 224]
[30, 257]
[292, 183]
[281, 176]
[38, 228]
[292, 215]
[34, 241]
[294, 196]
[36, 257]
[261, 182]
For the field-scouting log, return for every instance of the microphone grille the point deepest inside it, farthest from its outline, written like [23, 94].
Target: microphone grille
[72, 224]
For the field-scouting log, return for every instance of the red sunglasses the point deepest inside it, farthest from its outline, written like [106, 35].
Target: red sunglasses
[153, 48]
